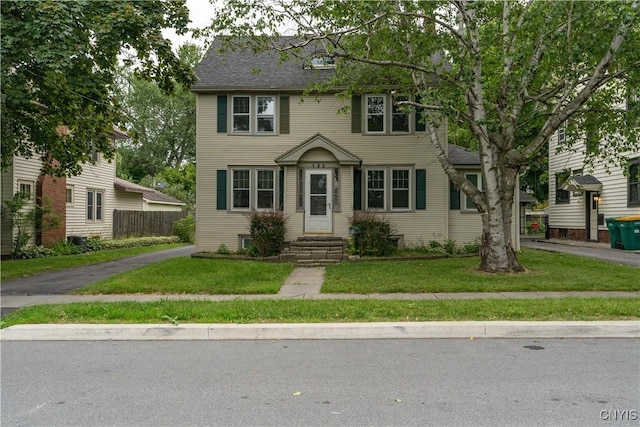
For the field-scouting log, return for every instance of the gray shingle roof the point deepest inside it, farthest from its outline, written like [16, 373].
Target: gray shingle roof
[243, 69]
[463, 156]
[149, 194]
[586, 179]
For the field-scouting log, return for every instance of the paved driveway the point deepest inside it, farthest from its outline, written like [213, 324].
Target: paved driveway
[64, 281]
[590, 250]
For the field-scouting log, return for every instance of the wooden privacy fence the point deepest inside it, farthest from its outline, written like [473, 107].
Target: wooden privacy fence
[144, 223]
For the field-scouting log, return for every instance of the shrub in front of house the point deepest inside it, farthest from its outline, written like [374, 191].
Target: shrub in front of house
[185, 229]
[372, 234]
[267, 231]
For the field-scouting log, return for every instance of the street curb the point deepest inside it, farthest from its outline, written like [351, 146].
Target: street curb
[322, 331]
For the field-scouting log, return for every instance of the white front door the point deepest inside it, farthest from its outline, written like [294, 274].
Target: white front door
[317, 200]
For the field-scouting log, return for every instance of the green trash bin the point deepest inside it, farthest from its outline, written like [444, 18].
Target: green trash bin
[615, 235]
[629, 232]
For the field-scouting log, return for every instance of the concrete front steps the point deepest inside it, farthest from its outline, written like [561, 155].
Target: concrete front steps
[316, 251]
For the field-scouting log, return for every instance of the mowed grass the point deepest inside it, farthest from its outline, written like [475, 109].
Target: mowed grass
[12, 269]
[196, 276]
[316, 311]
[546, 271]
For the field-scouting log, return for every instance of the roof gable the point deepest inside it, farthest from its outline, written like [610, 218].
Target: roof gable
[343, 156]
[148, 194]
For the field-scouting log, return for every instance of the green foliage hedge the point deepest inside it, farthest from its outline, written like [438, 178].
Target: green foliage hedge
[185, 229]
[267, 231]
[372, 234]
[97, 244]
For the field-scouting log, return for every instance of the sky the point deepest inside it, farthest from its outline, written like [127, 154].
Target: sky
[200, 13]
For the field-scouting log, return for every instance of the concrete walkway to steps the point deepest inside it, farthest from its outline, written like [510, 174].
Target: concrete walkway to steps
[303, 283]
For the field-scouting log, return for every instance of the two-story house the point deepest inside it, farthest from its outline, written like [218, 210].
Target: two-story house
[262, 144]
[84, 204]
[581, 199]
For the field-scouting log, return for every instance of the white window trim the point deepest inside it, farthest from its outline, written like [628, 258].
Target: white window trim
[275, 115]
[95, 206]
[562, 133]
[232, 188]
[409, 117]
[410, 189]
[273, 190]
[384, 188]
[241, 132]
[32, 188]
[385, 115]
[244, 241]
[253, 188]
[466, 198]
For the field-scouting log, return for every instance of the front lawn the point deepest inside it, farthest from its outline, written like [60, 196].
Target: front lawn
[316, 311]
[196, 276]
[546, 272]
[12, 269]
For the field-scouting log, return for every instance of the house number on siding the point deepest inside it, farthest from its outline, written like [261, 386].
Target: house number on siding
[318, 165]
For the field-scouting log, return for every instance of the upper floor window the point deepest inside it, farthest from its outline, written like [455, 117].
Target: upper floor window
[25, 188]
[375, 113]
[241, 114]
[383, 113]
[253, 114]
[399, 116]
[69, 194]
[562, 133]
[634, 183]
[266, 109]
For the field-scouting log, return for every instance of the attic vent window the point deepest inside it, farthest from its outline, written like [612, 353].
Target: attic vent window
[320, 63]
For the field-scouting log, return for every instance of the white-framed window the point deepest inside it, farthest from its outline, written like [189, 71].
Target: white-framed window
[476, 179]
[376, 189]
[253, 188]
[253, 114]
[70, 196]
[241, 114]
[95, 205]
[266, 189]
[389, 188]
[400, 188]
[245, 241]
[399, 117]
[375, 113]
[562, 133]
[241, 188]
[265, 114]
[26, 189]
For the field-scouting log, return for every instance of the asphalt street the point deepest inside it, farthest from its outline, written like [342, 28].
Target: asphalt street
[454, 382]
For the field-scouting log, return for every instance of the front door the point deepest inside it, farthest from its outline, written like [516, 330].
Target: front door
[317, 200]
[592, 216]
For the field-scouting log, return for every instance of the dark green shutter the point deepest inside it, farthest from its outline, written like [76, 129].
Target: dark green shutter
[454, 197]
[221, 189]
[222, 113]
[356, 114]
[420, 126]
[281, 189]
[421, 189]
[284, 115]
[357, 189]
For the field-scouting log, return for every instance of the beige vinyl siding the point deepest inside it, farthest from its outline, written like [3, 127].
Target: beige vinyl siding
[127, 201]
[23, 170]
[99, 177]
[158, 206]
[221, 151]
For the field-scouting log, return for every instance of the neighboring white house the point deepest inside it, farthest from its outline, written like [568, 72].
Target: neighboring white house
[84, 203]
[581, 199]
[262, 145]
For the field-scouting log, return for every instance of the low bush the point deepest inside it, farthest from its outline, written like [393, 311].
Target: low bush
[30, 252]
[64, 247]
[138, 241]
[372, 234]
[267, 231]
[185, 229]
